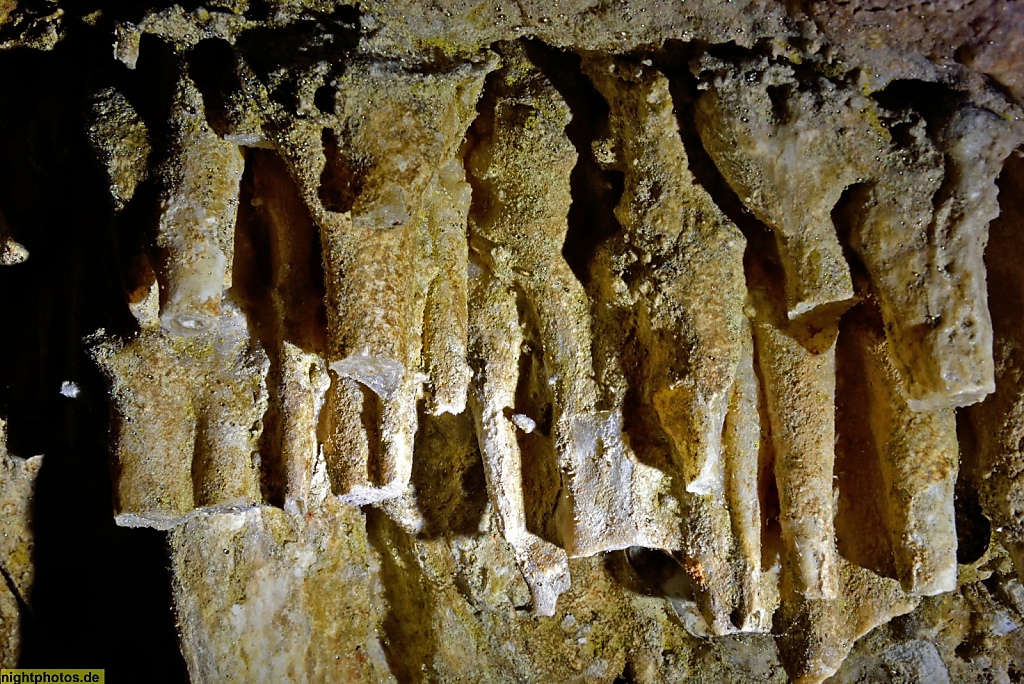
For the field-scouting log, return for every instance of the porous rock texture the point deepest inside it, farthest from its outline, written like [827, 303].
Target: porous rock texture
[512, 342]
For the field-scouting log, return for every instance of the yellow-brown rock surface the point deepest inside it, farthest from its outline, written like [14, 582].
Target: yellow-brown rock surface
[600, 342]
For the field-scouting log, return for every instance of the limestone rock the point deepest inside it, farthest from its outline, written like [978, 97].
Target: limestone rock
[623, 342]
[787, 168]
[122, 144]
[285, 597]
[996, 421]
[199, 204]
[189, 421]
[11, 251]
[17, 491]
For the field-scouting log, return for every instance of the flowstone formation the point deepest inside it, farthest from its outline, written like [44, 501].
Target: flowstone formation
[629, 344]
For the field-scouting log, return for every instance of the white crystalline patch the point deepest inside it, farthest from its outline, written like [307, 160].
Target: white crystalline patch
[380, 374]
[711, 479]
[524, 423]
[618, 464]
[187, 310]
[1002, 622]
[912, 661]
[70, 389]
[12, 252]
[249, 140]
[263, 623]
[391, 209]
[361, 495]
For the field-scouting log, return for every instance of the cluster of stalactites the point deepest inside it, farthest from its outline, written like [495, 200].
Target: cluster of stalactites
[918, 218]
[437, 285]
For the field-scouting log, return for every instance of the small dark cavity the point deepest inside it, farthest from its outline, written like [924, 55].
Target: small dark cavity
[212, 66]
[779, 94]
[302, 44]
[931, 100]
[258, 11]
[846, 217]
[965, 651]
[731, 52]
[654, 567]
[372, 416]
[973, 529]
[324, 99]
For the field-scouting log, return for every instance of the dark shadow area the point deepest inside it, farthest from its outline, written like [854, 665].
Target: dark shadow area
[973, 529]
[341, 181]
[862, 526]
[149, 88]
[278, 282]
[595, 191]
[641, 422]
[657, 573]
[316, 37]
[482, 129]
[409, 640]
[279, 54]
[213, 67]
[772, 546]
[861, 520]
[252, 271]
[448, 475]
[251, 287]
[728, 51]
[372, 417]
[149, 91]
[323, 99]
[931, 100]
[992, 442]
[618, 567]
[847, 215]
[627, 675]
[204, 463]
[542, 481]
[102, 594]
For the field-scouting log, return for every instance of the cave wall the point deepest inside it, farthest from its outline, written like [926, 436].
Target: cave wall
[610, 342]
